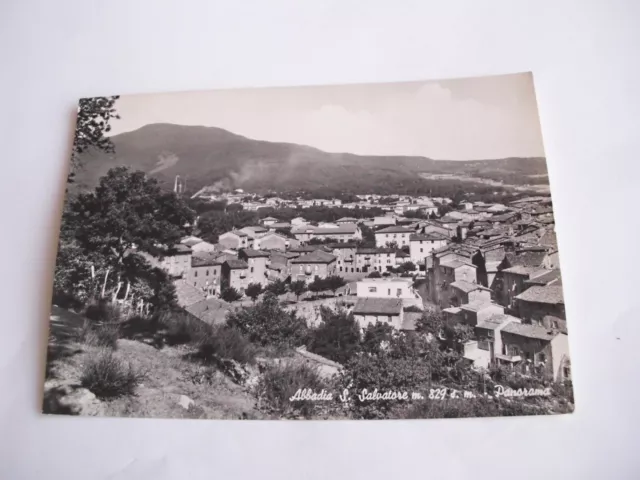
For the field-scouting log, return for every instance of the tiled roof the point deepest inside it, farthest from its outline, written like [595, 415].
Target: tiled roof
[191, 241]
[251, 253]
[401, 254]
[478, 305]
[545, 278]
[530, 331]
[204, 259]
[234, 263]
[453, 310]
[178, 249]
[456, 264]
[522, 270]
[374, 251]
[394, 229]
[269, 219]
[435, 236]
[341, 229]
[316, 256]
[212, 311]
[347, 219]
[550, 294]
[496, 321]
[187, 294]
[341, 245]
[526, 259]
[239, 233]
[380, 306]
[467, 287]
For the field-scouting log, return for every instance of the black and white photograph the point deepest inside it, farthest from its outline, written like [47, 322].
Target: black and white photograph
[359, 251]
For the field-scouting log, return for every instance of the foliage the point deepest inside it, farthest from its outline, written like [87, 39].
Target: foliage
[99, 335]
[280, 382]
[267, 323]
[337, 337]
[253, 291]
[108, 376]
[230, 294]
[276, 287]
[224, 342]
[127, 210]
[409, 266]
[375, 337]
[375, 274]
[298, 287]
[334, 282]
[94, 115]
[393, 244]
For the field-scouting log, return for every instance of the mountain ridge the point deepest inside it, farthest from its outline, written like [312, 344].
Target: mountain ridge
[208, 156]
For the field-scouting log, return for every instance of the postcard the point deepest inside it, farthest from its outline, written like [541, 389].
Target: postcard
[371, 251]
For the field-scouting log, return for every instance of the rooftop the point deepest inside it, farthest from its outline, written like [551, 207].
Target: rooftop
[317, 256]
[251, 253]
[379, 306]
[374, 251]
[178, 249]
[496, 321]
[434, 236]
[394, 229]
[205, 259]
[530, 331]
[522, 270]
[269, 219]
[467, 287]
[478, 305]
[551, 294]
[455, 263]
[545, 278]
[234, 263]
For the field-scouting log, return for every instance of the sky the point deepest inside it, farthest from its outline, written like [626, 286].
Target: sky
[461, 119]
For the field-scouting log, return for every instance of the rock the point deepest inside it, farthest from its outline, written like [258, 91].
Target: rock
[185, 402]
[69, 399]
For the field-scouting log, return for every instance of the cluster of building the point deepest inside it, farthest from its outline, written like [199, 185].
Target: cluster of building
[493, 267]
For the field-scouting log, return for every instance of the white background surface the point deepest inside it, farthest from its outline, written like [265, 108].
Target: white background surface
[584, 55]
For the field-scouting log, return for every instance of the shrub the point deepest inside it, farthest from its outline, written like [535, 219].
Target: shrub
[107, 376]
[225, 342]
[230, 294]
[253, 291]
[267, 323]
[99, 335]
[280, 382]
[337, 337]
[103, 311]
[375, 274]
[181, 328]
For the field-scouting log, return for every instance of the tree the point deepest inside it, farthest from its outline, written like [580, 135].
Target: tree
[298, 287]
[127, 210]
[230, 294]
[334, 282]
[375, 274]
[393, 244]
[409, 266]
[318, 285]
[94, 115]
[267, 323]
[277, 287]
[253, 291]
[337, 337]
[375, 337]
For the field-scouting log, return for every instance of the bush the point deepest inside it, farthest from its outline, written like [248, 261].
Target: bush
[225, 342]
[103, 311]
[100, 335]
[181, 328]
[280, 382]
[107, 376]
[230, 294]
[374, 274]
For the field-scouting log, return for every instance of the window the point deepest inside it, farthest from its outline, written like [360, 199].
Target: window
[206, 273]
[251, 269]
[373, 289]
[513, 350]
[389, 318]
[340, 268]
[399, 292]
[542, 358]
[421, 250]
[389, 291]
[490, 333]
[527, 355]
[195, 273]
